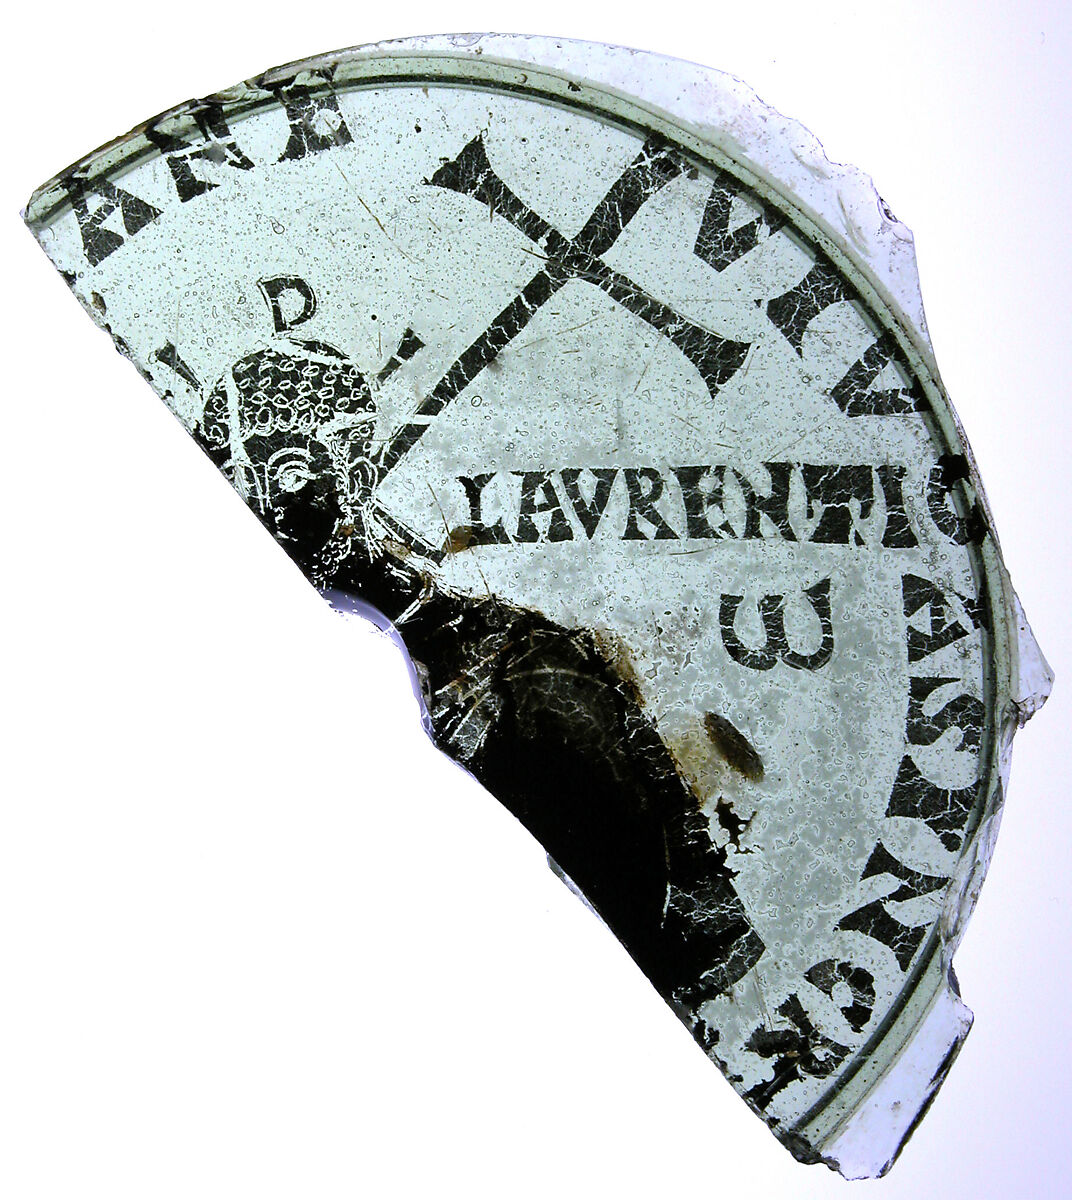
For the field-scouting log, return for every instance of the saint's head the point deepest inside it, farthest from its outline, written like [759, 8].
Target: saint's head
[292, 426]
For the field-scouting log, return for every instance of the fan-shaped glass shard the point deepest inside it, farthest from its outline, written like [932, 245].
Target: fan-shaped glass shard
[633, 433]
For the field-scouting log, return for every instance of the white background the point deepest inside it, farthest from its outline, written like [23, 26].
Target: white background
[257, 938]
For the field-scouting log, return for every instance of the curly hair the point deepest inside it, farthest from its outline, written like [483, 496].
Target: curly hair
[279, 394]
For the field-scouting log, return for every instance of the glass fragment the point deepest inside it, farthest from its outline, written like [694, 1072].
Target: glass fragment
[632, 432]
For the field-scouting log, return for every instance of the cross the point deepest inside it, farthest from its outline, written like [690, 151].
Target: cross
[471, 174]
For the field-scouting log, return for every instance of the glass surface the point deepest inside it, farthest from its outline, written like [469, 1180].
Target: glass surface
[654, 481]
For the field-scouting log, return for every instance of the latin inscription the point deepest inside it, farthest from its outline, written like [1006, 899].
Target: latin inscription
[835, 505]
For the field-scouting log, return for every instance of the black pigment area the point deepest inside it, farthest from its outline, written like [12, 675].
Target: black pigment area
[541, 717]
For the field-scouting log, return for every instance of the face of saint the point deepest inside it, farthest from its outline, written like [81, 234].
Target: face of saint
[305, 485]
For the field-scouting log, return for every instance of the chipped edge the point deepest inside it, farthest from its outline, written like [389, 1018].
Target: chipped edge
[842, 204]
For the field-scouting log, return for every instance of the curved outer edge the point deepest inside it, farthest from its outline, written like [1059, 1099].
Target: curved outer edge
[861, 1130]
[868, 1142]
[863, 1138]
[727, 112]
